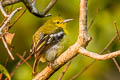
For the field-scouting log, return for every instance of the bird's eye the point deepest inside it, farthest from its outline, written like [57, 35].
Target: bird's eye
[58, 22]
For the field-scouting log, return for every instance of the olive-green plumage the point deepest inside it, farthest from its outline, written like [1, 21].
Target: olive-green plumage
[47, 40]
[52, 26]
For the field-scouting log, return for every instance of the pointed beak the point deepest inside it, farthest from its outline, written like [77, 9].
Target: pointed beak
[67, 20]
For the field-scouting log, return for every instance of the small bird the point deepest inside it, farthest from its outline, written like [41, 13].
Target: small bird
[47, 40]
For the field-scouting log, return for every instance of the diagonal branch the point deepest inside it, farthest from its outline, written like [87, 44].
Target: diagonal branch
[64, 71]
[61, 60]
[6, 46]
[8, 19]
[72, 50]
[78, 47]
[92, 62]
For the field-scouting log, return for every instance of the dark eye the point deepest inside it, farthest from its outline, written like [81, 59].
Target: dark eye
[58, 22]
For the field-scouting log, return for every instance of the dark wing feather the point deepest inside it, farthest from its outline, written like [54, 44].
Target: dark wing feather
[46, 41]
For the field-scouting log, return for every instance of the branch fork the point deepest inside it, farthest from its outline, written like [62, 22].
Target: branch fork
[77, 48]
[4, 25]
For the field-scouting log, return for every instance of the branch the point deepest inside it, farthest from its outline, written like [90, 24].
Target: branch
[31, 7]
[8, 19]
[83, 37]
[30, 4]
[22, 58]
[97, 56]
[6, 46]
[92, 62]
[9, 2]
[64, 71]
[78, 47]
[3, 25]
[72, 50]
[18, 65]
[61, 60]
[116, 63]
[19, 16]
[2, 10]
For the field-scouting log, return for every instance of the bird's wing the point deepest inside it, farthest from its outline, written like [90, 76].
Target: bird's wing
[46, 41]
[40, 45]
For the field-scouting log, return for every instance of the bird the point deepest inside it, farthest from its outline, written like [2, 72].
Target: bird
[48, 40]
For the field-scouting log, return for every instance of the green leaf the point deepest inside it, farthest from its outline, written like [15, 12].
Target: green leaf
[4, 71]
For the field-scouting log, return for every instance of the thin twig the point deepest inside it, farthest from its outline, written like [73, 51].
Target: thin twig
[93, 19]
[64, 71]
[18, 65]
[6, 46]
[23, 60]
[106, 47]
[3, 21]
[116, 28]
[83, 70]
[118, 36]
[29, 57]
[116, 63]
[3, 11]
[9, 18]
[9, 26]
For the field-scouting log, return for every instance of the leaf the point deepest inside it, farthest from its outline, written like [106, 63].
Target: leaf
[4, 71]
[9, 37]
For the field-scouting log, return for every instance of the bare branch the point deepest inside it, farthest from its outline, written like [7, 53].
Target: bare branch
[93, 19]
[72, 50]
[83, 70]
[64, 71]
[3, 21]
[18, 64]
[9, 2]
[116, 63]
[31, 7]
[83, 37]
[23, 60]
[97, 56]
[6, 46]
[2, 10]
[9, 26]
[116, 28]
[8, 19]
[61, 60]
[106, 48]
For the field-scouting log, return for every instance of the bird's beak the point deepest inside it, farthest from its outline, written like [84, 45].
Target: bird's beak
[67, 20]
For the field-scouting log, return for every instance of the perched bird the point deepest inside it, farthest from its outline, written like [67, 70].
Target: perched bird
[47, 40]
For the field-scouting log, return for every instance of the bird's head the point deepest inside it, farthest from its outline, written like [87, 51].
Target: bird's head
[60, 22]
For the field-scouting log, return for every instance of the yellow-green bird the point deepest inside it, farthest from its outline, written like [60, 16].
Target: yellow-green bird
[47, 40]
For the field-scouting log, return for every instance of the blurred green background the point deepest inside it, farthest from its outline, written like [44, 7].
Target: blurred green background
[101, 32]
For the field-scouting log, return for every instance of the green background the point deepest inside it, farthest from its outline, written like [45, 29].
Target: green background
[101, 32]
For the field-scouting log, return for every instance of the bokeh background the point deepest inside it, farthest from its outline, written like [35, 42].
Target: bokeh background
[101, 32]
